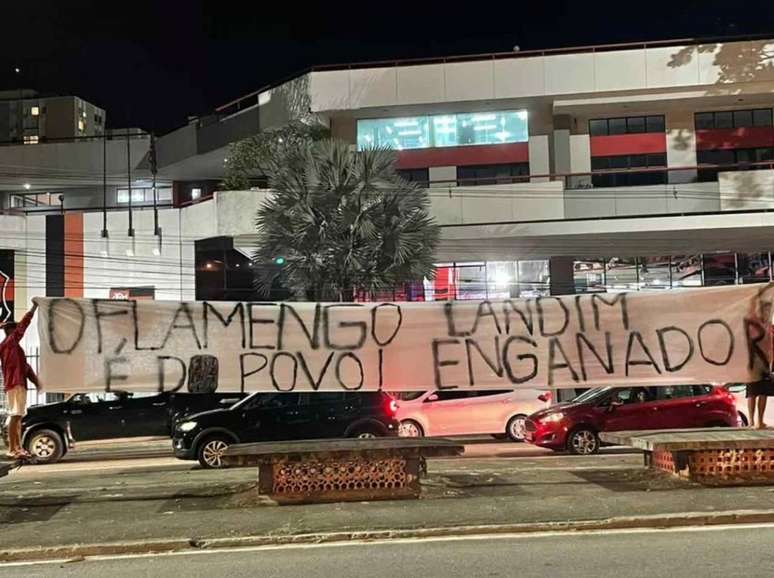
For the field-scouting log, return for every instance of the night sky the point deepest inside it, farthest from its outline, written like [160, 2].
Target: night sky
[151, 64]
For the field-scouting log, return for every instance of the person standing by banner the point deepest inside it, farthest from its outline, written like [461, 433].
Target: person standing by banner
[759, 392]
[16, 372]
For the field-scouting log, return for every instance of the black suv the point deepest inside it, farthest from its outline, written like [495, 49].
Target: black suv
[50, 429]
[284, 416]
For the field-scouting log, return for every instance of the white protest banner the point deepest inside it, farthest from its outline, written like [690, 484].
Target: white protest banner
[704, 335]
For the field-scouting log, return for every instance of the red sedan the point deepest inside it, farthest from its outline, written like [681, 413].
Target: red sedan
[574, 426]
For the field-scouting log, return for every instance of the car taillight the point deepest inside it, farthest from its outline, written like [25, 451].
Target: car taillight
[393, 406]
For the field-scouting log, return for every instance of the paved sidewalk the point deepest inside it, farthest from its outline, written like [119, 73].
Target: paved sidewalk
[192, 506]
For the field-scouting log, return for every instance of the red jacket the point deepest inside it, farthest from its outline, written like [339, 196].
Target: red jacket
[12, 358]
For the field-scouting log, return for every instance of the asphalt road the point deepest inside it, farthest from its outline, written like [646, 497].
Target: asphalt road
[718, 551]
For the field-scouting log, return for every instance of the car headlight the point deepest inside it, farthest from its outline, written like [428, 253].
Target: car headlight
[186, 426]
[554, 417]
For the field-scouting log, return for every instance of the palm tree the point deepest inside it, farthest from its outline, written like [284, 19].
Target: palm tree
[342, 222]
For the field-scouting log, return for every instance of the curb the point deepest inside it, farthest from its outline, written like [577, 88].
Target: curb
[81, 551]
[126, 494]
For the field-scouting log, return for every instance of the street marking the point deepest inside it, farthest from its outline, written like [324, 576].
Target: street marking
[399, 541]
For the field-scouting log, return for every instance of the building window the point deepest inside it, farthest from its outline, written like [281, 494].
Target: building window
[477, 175]
[196, 193]
[760, 117]
[35, 111]
[753, 267]
[732, 160]
[421, 176]
[719, 269]
[81, 125]
[626, 125]
[144, 196]
[446, 130]
[589, 276]
[627, 163]
[31, 139]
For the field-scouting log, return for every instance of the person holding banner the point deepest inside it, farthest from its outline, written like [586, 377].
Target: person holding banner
[759, 392]
[757, 395]
[16, 372]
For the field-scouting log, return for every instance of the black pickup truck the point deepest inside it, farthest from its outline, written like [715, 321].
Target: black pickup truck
[49, 430]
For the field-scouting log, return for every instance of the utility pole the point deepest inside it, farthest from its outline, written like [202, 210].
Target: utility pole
[104, 186]
[129, 180]
[154, 168]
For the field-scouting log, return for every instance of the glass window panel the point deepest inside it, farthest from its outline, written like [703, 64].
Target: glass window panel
[638, 161]
[622, 274]
[471, 282]
[724, 119]
[657, 160]
[686, 271]
[719, 269]
[395, 133]
[744, 155]
[501, 278]
[654, 273]
[743, 118]
[764, 154]
[534, 278]
[122, 196]
[589, 276]
[619, 162]
[421, 176]
[655, 124]
[600, 163]
[602, 180]
[753, 267]
[598, 127]
[704, 120]
[617, 125]
[762, 117]
[635, 124]
[444, 130]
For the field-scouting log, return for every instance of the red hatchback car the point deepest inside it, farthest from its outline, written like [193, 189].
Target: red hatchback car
[574, 426]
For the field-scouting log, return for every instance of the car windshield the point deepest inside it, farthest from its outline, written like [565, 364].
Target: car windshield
[244, 402]
[407, 395]
[591, 394]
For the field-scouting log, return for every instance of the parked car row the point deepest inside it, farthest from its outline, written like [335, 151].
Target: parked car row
[203, 425]
[49, 430]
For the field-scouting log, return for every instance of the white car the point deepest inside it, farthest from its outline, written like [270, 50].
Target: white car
[454, 412]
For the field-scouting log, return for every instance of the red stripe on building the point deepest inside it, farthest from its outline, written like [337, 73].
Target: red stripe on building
[735, 138]
[73, 255]
[628, 144]
[461, 156]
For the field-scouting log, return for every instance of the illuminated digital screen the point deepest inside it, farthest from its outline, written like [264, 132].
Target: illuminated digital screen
[443, 130]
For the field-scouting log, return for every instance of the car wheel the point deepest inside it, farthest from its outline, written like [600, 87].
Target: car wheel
[211, 450]
[410, 429]
[45, 446]
[365, 432]
[516, 428]
[743, 420]
[583, 441]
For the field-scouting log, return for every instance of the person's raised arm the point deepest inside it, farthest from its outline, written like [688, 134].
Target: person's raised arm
[21, 328]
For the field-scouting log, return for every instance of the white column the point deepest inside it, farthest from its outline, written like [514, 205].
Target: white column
[539, 157]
